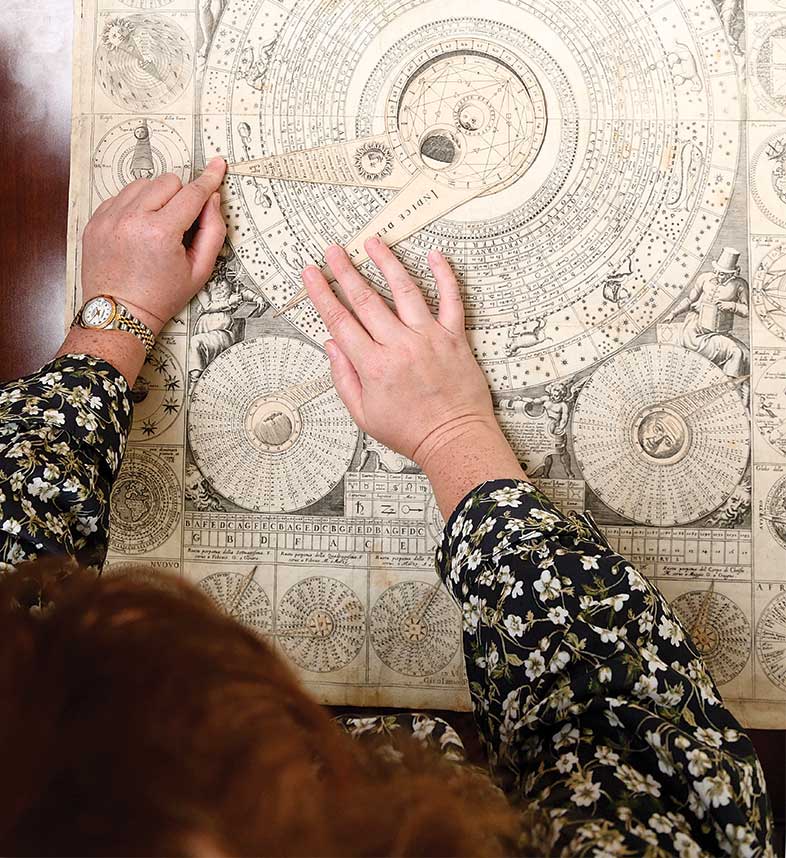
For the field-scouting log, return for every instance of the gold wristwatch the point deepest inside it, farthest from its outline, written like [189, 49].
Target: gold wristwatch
[103, 313]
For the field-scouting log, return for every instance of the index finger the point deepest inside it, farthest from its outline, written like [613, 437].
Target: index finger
[186, 205]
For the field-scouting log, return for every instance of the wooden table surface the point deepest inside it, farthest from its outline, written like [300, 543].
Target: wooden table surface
[35, 107]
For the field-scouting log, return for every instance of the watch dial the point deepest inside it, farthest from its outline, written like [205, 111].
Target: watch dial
[97, 312]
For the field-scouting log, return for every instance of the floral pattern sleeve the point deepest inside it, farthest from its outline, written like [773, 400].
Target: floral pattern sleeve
[62, 436]
[591, 699]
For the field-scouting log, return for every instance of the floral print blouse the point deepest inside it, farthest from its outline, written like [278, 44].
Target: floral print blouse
[592, 702]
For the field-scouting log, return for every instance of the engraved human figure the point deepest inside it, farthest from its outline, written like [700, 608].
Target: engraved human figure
[142, 164]
[714, 302]
[556, 404]
[215, 330]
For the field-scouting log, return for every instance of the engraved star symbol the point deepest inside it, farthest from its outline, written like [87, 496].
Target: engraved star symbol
[171, 406]
[172, 383]
[149, 428]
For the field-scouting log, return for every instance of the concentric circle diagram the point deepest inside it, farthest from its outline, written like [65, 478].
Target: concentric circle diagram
[138, 149]
[771, 641]
[766, 66]
[415, 628]
[770, 406]
[144, 61]
[321, 624]
[768, 179]
[775, 512]
[519, 116]
[661, 435]
[719, 629]
[769, 291]
[157, 395]
[240, 597]
[145, 503]
[266, 427]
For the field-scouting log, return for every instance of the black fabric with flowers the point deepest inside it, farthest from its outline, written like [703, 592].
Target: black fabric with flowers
[62, 436]
[590, 697]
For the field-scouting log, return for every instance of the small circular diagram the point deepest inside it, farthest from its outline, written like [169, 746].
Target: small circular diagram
[138, 149]
[157, 395]
[768, 179]
[143, 62]
[769, 291]
[719, 629]
[771, 641]
[145, 503]
[775, 512]
[415, 628]
[767, 67]
[770, 406]
[239, 596]
[266, 427]
[662, 435]
[321, 624]
[146, 5]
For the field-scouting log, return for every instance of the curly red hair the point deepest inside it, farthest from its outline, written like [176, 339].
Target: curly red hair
[139, 720]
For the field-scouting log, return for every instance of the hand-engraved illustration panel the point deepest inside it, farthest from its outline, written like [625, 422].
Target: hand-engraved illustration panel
[608, 180]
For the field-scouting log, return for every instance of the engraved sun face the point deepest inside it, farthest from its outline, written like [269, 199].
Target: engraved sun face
[661, 435]
[98, 312]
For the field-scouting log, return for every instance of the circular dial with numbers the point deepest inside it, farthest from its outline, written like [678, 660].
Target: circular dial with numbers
[321, 624]
[415, 628]
[771, 641]
[719, 629]
[266, 426]
[661, 435]
[575, 201]
[145, 503]
[239, 596]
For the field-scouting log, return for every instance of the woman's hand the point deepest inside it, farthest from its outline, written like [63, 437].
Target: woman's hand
[133, 246]
[410, 380]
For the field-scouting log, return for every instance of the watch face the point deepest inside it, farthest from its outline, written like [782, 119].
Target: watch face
[98, 312]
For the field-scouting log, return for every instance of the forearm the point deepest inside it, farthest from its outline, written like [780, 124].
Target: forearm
[464, 458]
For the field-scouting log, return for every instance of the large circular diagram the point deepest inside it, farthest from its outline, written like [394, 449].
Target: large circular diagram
[719, 629]
[415, 628]
[565, 174]
[143, 61]
[661, 435]
[321, 624]
[775, 512]
[266, 427]
[145, 503]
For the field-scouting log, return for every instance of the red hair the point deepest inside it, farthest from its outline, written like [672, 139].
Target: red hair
[139, 720]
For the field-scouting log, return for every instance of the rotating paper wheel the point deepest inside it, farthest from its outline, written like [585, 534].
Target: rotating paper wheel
[267, 429]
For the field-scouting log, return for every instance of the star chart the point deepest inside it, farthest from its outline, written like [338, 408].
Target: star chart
[503, 138]
[661, 435]
[607, 179]
[266, 427]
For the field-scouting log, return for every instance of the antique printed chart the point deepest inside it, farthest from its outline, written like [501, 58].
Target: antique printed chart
[608, 178]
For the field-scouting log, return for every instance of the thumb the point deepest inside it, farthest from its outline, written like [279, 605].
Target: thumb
[207, 242]
[346, 380]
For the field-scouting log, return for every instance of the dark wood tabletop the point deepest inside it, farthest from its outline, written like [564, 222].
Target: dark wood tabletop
[35, 108]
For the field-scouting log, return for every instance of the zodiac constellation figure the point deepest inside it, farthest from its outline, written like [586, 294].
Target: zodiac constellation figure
[143, 62]
[210, 12]
[685, 68]
[691, 163]
[526, 335]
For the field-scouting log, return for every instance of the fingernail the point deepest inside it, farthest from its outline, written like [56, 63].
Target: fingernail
[214, 162]
[374, 242]
[330, 348]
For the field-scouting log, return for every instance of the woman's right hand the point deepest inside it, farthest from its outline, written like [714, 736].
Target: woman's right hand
[409, 379]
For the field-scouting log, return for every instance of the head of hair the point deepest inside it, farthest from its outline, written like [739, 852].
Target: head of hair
[138, 719]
